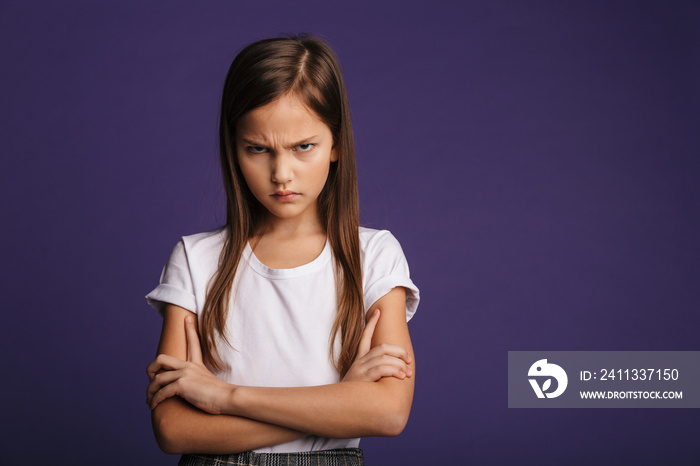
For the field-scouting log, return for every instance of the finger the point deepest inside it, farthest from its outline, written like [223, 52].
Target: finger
[194, 351]
[163, 362]
[159, 381]
[380, 372]
[388, 361]
[163, 394]
[366, 340]
[389, 350]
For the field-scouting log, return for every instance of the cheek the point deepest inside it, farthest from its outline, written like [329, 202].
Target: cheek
[251, 175]
[321, 174]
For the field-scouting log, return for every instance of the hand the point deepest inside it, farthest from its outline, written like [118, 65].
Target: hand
[190, 380]
[385, 360]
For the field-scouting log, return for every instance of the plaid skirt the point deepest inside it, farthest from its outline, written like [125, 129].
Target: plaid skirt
[338, 457]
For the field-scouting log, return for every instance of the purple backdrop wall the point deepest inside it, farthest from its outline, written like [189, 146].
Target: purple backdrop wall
[539, 164]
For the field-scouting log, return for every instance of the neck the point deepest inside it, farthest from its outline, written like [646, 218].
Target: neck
[275, 226]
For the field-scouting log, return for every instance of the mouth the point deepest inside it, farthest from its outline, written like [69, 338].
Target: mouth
[284, 196]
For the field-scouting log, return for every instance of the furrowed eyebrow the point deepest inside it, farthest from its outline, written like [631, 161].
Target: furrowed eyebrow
[252, 143]
[308, 140]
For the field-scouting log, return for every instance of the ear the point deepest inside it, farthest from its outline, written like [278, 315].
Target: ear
[334, 154]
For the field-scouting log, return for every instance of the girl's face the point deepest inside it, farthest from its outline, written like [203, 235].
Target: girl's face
[285, 151]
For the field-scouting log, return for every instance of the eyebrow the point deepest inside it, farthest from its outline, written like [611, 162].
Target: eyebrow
[298, 143]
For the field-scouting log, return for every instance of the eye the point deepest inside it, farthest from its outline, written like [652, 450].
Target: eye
[305, 147]
[256, 149]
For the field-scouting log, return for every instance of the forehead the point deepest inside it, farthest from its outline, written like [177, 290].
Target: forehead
[286, 118]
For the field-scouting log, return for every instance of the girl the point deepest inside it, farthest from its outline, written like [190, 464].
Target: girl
[287, 368]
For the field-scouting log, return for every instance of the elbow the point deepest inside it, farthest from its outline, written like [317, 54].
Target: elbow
[394, 425]
[392, 410]
[393, 421]
[165, 428]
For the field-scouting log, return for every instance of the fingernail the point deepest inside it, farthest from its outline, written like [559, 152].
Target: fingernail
[188, 319]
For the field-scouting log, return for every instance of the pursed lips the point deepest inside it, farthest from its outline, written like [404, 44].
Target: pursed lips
[284, 195]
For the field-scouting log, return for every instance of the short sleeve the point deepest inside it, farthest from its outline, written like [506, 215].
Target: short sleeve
[385, 268]
[176, 285]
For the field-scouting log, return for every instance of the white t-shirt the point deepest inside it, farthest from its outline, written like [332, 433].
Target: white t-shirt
[280, 320]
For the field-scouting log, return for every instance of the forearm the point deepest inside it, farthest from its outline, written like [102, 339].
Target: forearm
[181, 428]
[342, 410]
[257, 416]
[345, 409]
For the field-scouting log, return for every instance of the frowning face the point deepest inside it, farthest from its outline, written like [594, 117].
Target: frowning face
[285, 152]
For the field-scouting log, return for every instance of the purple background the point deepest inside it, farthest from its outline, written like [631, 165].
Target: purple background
[539, 164]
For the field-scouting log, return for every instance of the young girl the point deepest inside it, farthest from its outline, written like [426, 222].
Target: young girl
[287, 369]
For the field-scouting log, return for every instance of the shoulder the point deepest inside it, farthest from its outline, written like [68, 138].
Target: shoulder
[379, 246]
[199, 247]
[192, 262]
[384, 267]
[372, 240]
[204, 242]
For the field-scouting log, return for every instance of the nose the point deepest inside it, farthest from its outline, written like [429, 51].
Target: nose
[282, 172]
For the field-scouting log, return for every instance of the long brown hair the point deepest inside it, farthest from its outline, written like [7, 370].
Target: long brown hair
[261, 73]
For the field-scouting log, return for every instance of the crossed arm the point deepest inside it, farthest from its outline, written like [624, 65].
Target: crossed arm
[193, 411]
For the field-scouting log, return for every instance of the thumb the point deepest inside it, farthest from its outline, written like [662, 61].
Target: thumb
[194, 352]
[366, 340]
